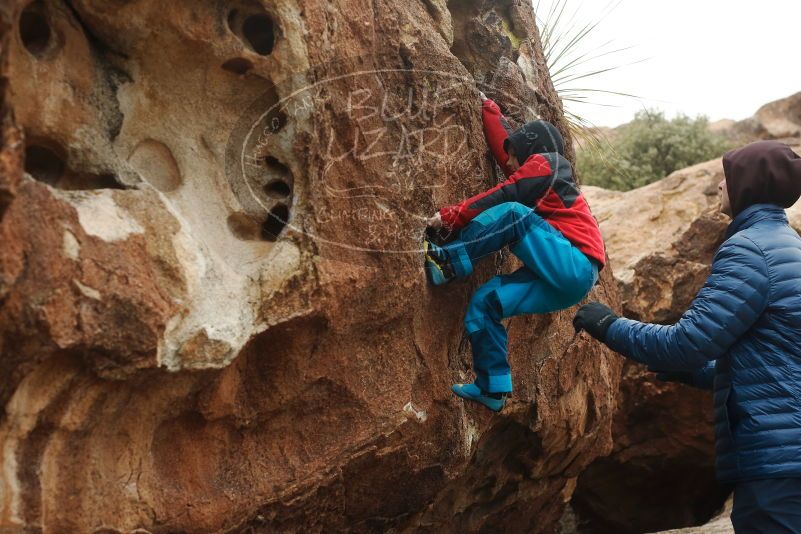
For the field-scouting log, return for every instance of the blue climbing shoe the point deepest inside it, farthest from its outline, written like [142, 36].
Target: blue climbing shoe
[474, 393]
[438, 264]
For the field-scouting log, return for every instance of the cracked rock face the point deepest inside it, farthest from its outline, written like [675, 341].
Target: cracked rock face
[213, 314]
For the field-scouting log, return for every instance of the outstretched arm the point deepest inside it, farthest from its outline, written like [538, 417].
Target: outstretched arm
[497, 130]
[700, 378]
[526, 185]
[732, 299]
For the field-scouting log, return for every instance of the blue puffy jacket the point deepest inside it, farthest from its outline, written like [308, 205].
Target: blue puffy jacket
[741, 337]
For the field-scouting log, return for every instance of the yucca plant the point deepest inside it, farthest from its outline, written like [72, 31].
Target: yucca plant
[645, 150]
[573, 61]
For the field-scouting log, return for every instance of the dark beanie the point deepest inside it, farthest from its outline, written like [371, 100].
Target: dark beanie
[765, 172]
[535, 137]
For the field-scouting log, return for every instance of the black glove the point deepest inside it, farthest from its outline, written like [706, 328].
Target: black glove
[595, 318]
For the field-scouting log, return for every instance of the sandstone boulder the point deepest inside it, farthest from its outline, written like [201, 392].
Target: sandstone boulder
[213, 314]
[779, 119]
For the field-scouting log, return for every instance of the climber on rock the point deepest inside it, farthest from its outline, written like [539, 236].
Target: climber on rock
[541, 214]
[741, 338]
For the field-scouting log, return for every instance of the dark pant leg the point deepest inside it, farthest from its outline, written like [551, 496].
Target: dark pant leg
[767, 506]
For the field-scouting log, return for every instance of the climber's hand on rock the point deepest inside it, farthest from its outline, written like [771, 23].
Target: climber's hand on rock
[435, 221]
[482, 96]
[595, 318]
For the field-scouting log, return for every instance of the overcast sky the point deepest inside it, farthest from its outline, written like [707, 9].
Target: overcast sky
[720, 58]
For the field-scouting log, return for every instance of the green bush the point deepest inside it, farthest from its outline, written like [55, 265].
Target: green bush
[648, 149]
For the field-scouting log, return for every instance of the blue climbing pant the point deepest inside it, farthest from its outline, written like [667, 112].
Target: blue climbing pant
[770, 505]
[555, 275]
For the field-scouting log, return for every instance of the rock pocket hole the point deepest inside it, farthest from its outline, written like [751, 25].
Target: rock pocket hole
[244, 227]
[44, 164]
[34, 28]
[155, 163]
[254, 27]
[92, 181]
[278, 187]
[275, 223]
[237, 65]
[258, 32]
[48, 165]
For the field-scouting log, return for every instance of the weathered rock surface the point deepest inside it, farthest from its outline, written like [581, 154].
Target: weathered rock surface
[213, 315]
[661, 239]
[775, 120]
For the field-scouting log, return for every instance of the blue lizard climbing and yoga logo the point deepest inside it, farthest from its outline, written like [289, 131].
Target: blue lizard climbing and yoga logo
[384, 158]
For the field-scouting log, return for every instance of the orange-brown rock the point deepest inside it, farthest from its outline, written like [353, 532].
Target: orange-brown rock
[213, 314]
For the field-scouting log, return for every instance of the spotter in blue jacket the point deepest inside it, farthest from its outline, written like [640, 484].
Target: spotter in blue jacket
[741, 338]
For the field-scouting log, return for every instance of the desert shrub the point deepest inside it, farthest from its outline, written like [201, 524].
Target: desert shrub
[647, 149]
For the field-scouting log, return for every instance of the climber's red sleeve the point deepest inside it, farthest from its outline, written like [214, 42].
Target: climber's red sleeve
[526, 186]
[496, 129]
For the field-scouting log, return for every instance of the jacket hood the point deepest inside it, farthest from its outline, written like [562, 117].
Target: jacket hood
[765, 172]
[535, 137]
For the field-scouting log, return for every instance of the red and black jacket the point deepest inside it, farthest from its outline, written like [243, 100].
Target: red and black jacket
[544, 182]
